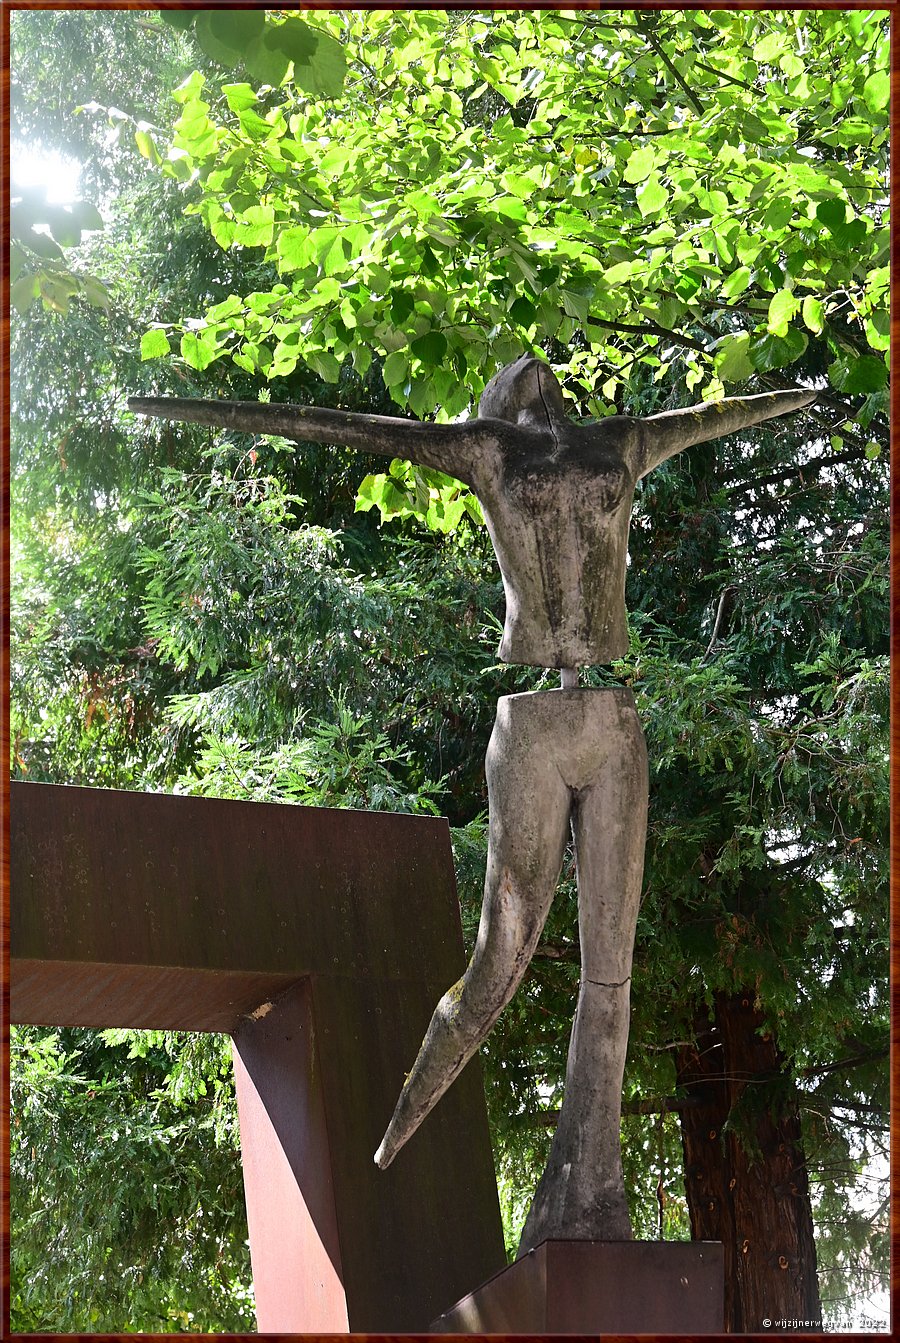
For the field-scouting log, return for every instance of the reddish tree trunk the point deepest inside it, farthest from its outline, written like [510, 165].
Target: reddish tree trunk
[745, 1170]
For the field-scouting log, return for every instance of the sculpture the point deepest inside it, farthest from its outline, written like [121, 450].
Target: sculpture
[557, 501]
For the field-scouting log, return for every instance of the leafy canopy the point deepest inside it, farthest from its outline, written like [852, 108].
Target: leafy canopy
[704, 190]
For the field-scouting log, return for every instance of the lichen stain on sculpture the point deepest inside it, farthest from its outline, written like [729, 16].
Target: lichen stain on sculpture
[556, 496]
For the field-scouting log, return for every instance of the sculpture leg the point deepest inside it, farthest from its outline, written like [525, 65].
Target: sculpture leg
[529, 817]
[581, 1195]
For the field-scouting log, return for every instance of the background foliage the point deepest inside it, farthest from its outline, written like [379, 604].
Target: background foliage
[372, 211]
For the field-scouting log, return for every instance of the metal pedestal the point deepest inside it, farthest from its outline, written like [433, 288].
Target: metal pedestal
[599, 1287]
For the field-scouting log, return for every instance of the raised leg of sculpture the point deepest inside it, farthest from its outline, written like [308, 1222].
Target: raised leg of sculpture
[581, 1195]
[529, 813]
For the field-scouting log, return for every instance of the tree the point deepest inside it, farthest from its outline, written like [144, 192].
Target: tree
[510, 208]
[469, 184]
[149, 1122]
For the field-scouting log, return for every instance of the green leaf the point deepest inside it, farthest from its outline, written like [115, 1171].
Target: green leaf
[17, 261]
[296, 39]
[324, 363]
[511, 207]
[147, 146]
[768, 49]
[182, 19]
[652, 196]
[319, 63]
[858, 375]
[430, 348]
[189, 89]
[370, 492]
[737, 282]
[264, 60]
[877, 91]
[198, 352]
[23, 293]
[574, 304]
[831, 213]
[850, 235]
[878, 330]
[224, 53]
[782, 308]
[223, 230]
[854, 131]
[254, 125]
[639, 166]
[771, 351]
[154, 344]
[239, 97]
[732, 362]
[293, 248]
[236, 28]
[421, 403]
[42, 246]
[86, 216]
[227, 308]
[395, 369]
[522, 311]
[254, 226]
[402, 306]
[63, 227]
[814, 314]
[779, 213]
[622, 270]
[94, 291]
[56, 288]
[872, 449]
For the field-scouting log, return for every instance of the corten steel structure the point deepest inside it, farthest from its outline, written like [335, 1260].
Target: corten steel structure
[599, 1287]
[318, 939]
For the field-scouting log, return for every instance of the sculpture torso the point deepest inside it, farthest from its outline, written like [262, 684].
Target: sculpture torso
[557, 495]
[558, 505]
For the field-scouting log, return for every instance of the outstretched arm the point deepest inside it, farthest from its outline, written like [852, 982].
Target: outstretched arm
[444, 447]
[664, 435]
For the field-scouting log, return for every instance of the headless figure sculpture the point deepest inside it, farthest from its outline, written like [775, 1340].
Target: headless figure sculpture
[557, 499]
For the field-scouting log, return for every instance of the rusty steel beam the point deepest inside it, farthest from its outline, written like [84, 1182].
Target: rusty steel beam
[319, 939]
[108, 878]
[292, 1218]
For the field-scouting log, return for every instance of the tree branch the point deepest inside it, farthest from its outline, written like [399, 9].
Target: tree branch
[558, 951]
[720, 74]
[445, 447]
[653, 1105]
[648, 33]
[853, 1061]
[651, 329]
[814, 465]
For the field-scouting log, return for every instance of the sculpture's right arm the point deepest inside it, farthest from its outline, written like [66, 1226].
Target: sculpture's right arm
[443, 447]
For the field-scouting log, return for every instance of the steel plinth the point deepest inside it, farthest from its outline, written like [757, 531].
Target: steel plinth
[599, 1287]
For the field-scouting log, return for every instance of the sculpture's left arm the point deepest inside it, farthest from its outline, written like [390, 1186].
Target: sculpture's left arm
[665, 434]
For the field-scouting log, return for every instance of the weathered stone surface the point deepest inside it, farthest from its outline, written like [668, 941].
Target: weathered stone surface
[556, 494]
[557, 759]
[557, 499]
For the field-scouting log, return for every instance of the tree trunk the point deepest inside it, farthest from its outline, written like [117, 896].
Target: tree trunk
[745, 1170]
